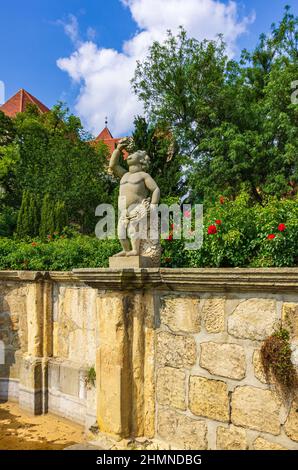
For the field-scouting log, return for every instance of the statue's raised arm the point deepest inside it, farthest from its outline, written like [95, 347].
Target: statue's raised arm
[114, 166]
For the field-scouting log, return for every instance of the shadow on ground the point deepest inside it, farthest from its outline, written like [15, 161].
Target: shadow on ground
[19, 431]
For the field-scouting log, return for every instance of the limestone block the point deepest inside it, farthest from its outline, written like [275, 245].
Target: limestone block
[181, 431]
[54, 375]
[291, 425]
[290, 319]
[209, 398]
[256, 408]
[176, 350]
[171, 387]
[10, 368]
[258, 367]
[262, 444]
[35, 319]
[33, 385]
[253, 319]
[225, 359]
[69, 380]
[231, 438]
[13, 313]
[181, 314]
[214, 314]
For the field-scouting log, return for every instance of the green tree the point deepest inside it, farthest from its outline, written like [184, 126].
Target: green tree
[61, 216]
[47, 218]
[57, 159]
[165, 162]
[7, 130]
[233, 121]
[28, 216]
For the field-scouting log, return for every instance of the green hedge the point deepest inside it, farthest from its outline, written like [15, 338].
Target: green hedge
[244, 235]
[57, 255]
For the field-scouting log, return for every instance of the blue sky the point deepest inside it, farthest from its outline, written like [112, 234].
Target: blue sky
[33, 38]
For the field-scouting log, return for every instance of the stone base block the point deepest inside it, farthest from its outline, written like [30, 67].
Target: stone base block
[31, 400]
[33, 386]
[9, 389]
[124, 262]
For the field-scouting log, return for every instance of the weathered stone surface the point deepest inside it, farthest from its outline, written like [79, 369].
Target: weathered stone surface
[262, 444]
[13, 316]
[209, 398]
[74, 330]
[214, 314]
[256, 408]
[258, 367]
[290, 318]
[35, 319]
[181, 314]
[231, 438]
[69, 380]
[181, 431]
[225, 359]
[291, 425]
[253, 319]
[175, 350]
[171, 387]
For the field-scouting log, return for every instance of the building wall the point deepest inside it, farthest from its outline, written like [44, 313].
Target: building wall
[176, 352]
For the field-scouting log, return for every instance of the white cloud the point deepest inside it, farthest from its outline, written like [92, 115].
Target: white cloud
[71, 29]
[104, 74]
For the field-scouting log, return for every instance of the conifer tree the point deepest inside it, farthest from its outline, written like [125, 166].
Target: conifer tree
[47, 219]
[61, 218]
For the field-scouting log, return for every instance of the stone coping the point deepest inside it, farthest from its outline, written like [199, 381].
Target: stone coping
[182, 279]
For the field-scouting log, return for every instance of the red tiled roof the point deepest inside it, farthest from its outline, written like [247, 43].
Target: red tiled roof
[18, 103]
[106, 137]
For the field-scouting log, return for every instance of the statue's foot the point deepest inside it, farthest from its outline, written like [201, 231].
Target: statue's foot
[122, 253]
[132, 253]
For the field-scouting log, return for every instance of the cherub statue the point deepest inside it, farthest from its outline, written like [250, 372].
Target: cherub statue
[139, 194]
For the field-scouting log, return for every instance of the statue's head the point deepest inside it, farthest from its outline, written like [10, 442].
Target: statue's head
[139, 157]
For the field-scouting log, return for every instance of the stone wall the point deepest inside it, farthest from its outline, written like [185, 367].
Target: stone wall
[177, 352]
[211, 389]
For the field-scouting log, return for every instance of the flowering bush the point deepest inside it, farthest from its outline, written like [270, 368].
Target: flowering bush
[238, 233]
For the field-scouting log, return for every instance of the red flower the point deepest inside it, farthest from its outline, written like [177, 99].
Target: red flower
[170, 237]
[271, 236]
[222, 200]
[212, 229]
[186, 213]
[49, 236]
[281, 227]
[34, 244]
[218, 222]
[172, 226]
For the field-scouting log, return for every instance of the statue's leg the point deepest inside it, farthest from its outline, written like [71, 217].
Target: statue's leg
[134, 235]
[125, 243]
[135, 248]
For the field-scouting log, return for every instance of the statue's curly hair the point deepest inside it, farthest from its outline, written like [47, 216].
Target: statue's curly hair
[145, 161]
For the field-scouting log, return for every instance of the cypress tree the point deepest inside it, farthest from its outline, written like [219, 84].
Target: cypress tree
[22, 223]
[61, 217]
[34, 215]
[47, 219]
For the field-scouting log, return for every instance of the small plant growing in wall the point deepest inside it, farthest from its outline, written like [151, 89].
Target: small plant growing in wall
[90, 378]
[277, 363]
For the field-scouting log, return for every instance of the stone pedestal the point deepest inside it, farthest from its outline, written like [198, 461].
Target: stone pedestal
[124, 375]
[125, 356]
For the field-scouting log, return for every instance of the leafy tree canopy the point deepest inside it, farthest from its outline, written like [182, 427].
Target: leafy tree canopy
[234, 121]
